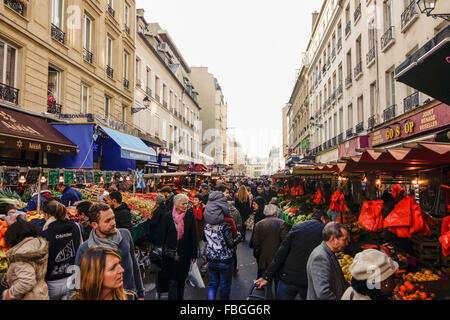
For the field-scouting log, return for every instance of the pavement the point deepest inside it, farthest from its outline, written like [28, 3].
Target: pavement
[240, 285]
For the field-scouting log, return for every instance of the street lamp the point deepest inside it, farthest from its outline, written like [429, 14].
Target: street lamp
[427, 6]
[146, 103]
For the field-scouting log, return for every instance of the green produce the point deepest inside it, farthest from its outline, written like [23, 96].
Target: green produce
[26, 196]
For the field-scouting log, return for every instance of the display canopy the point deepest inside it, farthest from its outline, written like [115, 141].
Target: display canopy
[131, 147]
[23, 131]
[407, 157]
[427, 70]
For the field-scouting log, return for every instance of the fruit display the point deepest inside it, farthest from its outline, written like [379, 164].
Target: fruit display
[3, 228]
[301, 218]
[356, 227]
[346, 219]
[144, 207]
[136, 217]
[345, 263]
[9, 196]
[411, 291]
[3, 262]
[426, 275]
[34, 215]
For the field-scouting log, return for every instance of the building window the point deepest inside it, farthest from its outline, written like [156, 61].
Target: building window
[372, 98]
[138, 72]
[84, 99]
[87, 33]
[107, 107]
[125, 65]
[127, 19]
[57, 13]
[8, 58]
[124, 114]
[109, 50]
[387, 14]
[54, 85]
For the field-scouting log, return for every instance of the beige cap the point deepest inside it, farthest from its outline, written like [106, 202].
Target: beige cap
[372, 264]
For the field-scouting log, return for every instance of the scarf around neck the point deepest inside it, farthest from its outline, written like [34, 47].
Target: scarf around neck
[178, 219]
[112, 241]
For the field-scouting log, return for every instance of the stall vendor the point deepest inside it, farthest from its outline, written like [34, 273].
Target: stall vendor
[69, 195]
[45, 196]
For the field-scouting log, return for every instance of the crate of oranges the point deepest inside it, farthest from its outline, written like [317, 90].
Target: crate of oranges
[412, 291]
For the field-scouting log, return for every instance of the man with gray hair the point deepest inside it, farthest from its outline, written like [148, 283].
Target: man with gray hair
[325, 278]
[268, 235]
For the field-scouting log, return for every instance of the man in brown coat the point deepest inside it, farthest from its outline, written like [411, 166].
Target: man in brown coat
[267, 237]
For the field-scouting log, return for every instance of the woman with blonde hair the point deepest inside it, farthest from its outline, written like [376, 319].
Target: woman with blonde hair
[101, 276]
[242, 203]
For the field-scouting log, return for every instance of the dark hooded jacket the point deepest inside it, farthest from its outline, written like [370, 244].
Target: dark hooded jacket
[123, 216]
[216, 209]
[259, 215]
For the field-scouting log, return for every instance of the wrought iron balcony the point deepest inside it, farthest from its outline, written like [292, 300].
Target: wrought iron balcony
[55, 108]
[359, 127]
[409, 13]
[15, 5]
[371, 122]
[370, 56]
[165, 104]
[58, 34]
[411, 102]
[88, 56]
[109, 72]
[148, 91]
[348, 28]
[334, 142]
[341, 137]
[126, 83]
[357, 13]
[387, 37]
[349, 133]
[8, 93]
[389, 113]
[348, 80]
[333, 97]
[111, 11]
[358, 69]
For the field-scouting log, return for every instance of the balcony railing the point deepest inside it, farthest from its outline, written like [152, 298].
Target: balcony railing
[15, 5]
[409, 13]
[341, 137]
[9, 94]
[109, 72]
[348, 28]
[58, 34]
[411, 102]
[111, 11]
[348, 80]
[357, 13]
[358, 69]
[127, 29]
[328, 62]
[165, 104]
[157, 98]
[333, 97]
[359, 127]
[339, 90]
[389, 113]
[334, 142]
[148, 91]
[339, 44]
[370, 56]
[55, 108]
[88, 56]
[371, 122]
[387, 37]
[333, 53]
[126, 83]
[349, 133]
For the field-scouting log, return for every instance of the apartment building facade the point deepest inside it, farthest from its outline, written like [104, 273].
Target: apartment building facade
[352, 55]
[213, 114]
[172, 114]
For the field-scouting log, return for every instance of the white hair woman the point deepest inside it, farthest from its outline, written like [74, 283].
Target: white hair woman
[179, 244]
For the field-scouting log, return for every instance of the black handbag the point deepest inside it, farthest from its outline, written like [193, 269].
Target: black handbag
[156, 256]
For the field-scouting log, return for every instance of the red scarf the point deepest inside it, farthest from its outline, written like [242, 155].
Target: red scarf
[198, 212]
[178, 218]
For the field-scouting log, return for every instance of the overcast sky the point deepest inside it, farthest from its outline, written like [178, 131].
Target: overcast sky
[253, 48]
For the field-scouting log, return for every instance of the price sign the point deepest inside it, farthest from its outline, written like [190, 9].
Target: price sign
[68, 177]
[97, 177]
[53, 177]
[11, 177]
[89, 177]
[108, 177]
[81, 179]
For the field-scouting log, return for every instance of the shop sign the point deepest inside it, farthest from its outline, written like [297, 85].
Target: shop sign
[88, 116]
[69, 177]
[10, 177]
[164, 158]
[427, 120]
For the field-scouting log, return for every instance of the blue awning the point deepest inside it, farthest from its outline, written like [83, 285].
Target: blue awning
[131, 147]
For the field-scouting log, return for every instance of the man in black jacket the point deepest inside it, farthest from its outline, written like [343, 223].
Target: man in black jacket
[291, 258]
[121, 211]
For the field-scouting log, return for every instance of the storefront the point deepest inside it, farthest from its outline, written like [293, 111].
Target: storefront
[27, 140]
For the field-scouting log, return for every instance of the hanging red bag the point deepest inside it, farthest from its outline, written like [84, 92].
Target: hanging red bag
[337, 203]
[293, 192]
[370, 217]
[444, 239]
[400, 216]
[396, 190]
[318, 199]
[300, 190]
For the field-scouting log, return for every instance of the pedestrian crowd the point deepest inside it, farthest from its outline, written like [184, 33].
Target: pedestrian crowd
[58, 259]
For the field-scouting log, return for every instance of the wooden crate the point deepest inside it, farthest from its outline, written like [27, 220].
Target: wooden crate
[429, 260]
[429, 247]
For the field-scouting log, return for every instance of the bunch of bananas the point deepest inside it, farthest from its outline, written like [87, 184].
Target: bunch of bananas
[345, 263]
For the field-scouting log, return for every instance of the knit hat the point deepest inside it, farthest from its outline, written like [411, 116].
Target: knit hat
[372, 264]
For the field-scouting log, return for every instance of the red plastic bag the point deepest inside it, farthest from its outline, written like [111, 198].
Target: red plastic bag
[400, 216]
[444, 239]
[370, 217]
[396, 190]
[300, 190]
[294, 191]
[338, 203]
[319, 199]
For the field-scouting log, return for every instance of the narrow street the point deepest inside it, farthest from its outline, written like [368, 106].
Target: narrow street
[240, 286]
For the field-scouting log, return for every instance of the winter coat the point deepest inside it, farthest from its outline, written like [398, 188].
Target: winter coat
[70, 196]
[244, 209]
[235, 215]
[169, 202]
[132, 280]
[216, 209]
[268, 235]
[325, 278]
[259, 215]
[123, 216]
[32, 204]
[64, 239]
[269, 195]
[289, 262]
[187, 246]
[153, 225]
[200, 223]
[220, 243]
[27, 269]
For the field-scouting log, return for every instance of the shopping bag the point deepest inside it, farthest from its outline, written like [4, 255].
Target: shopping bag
[194, 276]
[370, 217]
[250, 222]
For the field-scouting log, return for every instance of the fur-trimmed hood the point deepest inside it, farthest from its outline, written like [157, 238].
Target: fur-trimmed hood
[29, 249]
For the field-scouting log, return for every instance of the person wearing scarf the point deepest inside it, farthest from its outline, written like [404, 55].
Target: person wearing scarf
[179, 243]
